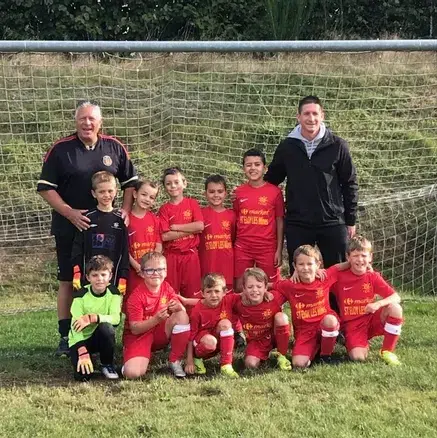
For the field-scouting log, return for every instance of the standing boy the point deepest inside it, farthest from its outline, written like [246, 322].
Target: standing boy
[144, 230]
[95, 311]
[181, 223]
[216, 251]
[106, 235]
[362, 317]
[259, 208]
[154, 318]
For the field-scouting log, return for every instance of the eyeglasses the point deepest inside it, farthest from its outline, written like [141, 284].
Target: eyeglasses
[151, 271]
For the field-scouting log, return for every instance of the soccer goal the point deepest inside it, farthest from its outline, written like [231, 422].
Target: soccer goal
[200, 108]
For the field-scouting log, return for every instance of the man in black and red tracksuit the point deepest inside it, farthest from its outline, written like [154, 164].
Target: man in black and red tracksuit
[65, 184]
[322, 189]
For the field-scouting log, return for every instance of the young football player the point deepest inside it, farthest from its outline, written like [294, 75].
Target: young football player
[95, 311]
[211, 328]
[154, 318]
[106, 235]
[259, 210]
[362, 315]
[181, 223]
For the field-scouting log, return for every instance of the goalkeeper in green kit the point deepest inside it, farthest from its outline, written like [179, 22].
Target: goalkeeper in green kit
[95, 311]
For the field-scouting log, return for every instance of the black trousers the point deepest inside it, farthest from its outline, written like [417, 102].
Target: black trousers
[331, 241]
[102, 341]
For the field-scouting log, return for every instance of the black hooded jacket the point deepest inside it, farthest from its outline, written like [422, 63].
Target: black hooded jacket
[321, 190]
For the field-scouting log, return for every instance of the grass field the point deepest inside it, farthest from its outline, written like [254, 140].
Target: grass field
[202, 112]
[39, 398]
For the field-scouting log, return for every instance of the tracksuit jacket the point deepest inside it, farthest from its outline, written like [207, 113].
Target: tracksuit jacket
[321, 190]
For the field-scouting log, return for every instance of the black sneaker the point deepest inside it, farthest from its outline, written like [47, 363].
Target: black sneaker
[109, 372]
[240, 340]
[328, 360]
[63, 349]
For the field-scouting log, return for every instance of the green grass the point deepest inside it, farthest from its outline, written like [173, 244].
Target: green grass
[39, 398]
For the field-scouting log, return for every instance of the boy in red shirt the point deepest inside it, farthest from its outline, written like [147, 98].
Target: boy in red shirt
[216, 250]
[154, 318]
[315, 324]
[259, 208]
[211, 328]
[264, 323]
[362, 317]
[181, 223]
[143, 230]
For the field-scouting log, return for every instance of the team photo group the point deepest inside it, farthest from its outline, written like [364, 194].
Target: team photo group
[200, 282]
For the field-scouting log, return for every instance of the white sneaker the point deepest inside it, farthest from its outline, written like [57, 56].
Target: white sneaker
[177, 369]
[109, 372]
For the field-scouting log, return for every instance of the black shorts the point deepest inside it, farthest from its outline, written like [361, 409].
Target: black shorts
[64, 246]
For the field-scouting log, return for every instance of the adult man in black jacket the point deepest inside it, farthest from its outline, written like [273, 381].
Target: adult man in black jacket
[321, 190]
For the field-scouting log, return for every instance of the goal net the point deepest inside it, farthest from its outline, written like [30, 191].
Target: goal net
[202, 111]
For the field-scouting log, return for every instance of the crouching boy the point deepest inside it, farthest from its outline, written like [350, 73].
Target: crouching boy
[362, 316]
[154, 318]
[95, 311]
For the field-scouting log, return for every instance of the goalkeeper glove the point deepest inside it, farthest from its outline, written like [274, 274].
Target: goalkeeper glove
[76, 277]
[122, 285]
[84, 364]
[85, 321]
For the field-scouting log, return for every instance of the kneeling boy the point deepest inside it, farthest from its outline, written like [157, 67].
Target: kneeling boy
[95, 311]
[211, 328]
[362, 317]
[315, 324]
[154, 318]
[264, 323]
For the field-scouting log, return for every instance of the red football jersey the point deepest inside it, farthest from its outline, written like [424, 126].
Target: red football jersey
[309, 302]
[216, 251]
[207, 318]
[144, 234]
[256, 210]
[143, 304]
[187, 211]
[354, 292]
[258, 320]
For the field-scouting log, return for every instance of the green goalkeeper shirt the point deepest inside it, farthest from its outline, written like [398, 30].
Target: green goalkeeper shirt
[106, 305]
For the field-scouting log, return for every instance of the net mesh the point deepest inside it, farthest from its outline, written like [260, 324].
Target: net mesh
[202, 111]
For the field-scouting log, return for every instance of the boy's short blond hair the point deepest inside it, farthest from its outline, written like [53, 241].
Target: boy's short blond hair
[151, 256]
[145, 182]
[257, 273]
[102, 177]
[213, 279]
[98, 263]
[309, 251]
[359, 243]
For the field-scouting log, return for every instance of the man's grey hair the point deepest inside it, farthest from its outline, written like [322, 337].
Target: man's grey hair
[85, 103]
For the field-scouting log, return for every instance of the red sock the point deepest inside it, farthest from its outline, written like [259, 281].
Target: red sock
[329, 338]
[226, 346]
[178, 342]
[201, 350]
[392, 330]
[282, 337]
